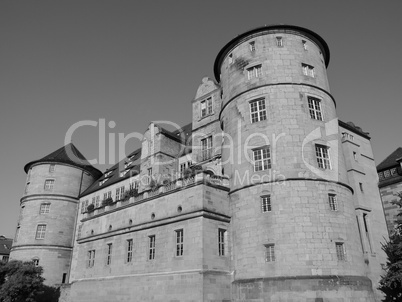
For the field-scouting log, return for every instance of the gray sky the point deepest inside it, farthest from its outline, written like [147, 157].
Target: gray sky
[62, 62]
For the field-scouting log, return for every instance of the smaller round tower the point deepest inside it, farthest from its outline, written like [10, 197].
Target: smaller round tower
[49, 209]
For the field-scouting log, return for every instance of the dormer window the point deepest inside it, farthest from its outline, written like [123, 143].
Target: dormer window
[124, 172]
[107, 173]
[103, 181]
[127, 164]
[206, 107]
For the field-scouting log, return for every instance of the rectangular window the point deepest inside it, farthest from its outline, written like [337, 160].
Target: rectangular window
[279, 41]
[322, 154]
[270, 252]
[51, 168]
[179, 242]
[40, 231]
[109, 194]
[266, 203]
[149, 175]
[381, 176]
[254, 72]
[44, 208]
[252, 46]
[91, 258]
[129, 250]
[97, 203]
[333, 202]
[206, 148]
[104, 196]
[152, 246]
[117, 196]
[222, 242]
[340, 251]
[206, 107]
[314, 106]
[393, 172]
[308, 70]
[387, 173]
[258, 110]
[230, 58]
[49, 184]
[262, 159]
[109, 254]
[304, 44]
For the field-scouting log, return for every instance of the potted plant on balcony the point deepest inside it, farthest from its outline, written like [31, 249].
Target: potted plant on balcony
[90, 208]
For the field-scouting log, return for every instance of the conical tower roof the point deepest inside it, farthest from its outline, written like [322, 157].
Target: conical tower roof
[67, 154]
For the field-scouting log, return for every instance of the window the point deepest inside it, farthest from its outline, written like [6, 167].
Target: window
[133, 186]
[117, 197]
[348, 136]
[63, 280]
[322, 154]
[51, 168]
[361, 186]
[314, 106]
[340, 251]
[84, 206]
[149, 175]
[91, 258]
[304, 44]
[40, 231]
[109, 194]
[279, 41]
[206, 107]
[270, 252]
[103, 181]
[151, 255]
[258, 110]
[179, 242]
[206, 148]
[49, 183]
[35, 261]
[109, 254]
[262, 159]
[97, 202]
[355, 155]
[44, 208]
[266, 203]
[222, 242]
[129, 250]
[230, 58]
[308, 70]
[254, 72]
[108, 173]
[5, 258]
[393, 172]
[333, 202]
[252, 46]
[104, 196]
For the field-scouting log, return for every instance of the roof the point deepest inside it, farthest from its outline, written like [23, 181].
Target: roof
[391, 160]
[260, 30]
[356, 129]
[67, 154]
[5, 245]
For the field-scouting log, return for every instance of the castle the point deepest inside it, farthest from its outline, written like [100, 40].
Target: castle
[265, 196]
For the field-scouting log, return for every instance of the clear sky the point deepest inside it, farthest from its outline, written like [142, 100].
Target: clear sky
[132, 62]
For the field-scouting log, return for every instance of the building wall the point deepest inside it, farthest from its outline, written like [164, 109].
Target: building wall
[388, 196]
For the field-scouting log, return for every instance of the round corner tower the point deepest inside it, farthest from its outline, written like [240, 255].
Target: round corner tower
[49, 209]
[293, 220]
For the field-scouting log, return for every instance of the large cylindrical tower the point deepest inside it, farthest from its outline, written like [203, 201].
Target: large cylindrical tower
[49, 210]
[294, 227]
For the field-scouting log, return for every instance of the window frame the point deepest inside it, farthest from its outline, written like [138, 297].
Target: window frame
[40, 233]
[340, 251]
[152, 247]
[179, 242]
[44, 208]
[91, 258]
[206, 107]
[51, 168]
[270, 252]
[206, 148]
[315, 108]
[222, 242]
[308, 70]
[266, 205]
[130, 245]
[323, 157]
[258, 110]
[279, 41]
[109, 254]
[252, 46]
[265, 162]
[254, 71]
[333, 202]
[49, 184]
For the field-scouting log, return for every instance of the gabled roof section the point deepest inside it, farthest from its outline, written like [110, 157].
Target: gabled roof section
[67, 154]
[391, 160]
[126, 168]
[5, 245]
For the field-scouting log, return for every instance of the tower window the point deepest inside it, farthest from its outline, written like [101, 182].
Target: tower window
[252, 46]
[322, 154]
[40, 231]
[151, 255]
[49, 184]
[91, 258]
[333, 202]
[340, 251]
[304, 44]
[279, 41]
[109, 254]
[266, 203]
[308, 70]
[35, 261]
[361, 186]
[230, 58]
[97, 202]
[262, 159]
[270, 252]
[44, 208]
[206, 107]
[179, 242]
[51, 168]
[129, 250]
[206, 148]
[222, 242]
[149, 175]
[254, 72]
[258, 110]
[314, 106]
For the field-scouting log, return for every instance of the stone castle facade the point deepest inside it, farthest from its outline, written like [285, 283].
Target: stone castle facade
[265, 196]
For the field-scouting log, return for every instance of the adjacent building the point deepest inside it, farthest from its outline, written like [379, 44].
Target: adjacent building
[5, 247]
[264, 196]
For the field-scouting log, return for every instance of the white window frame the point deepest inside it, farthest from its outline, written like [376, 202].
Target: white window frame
[109, 254]
[206, 107]
[222, 242]
[258, 110]
[308, 70]
[340, 251]
[44, 208]
[262, 158]
[206, 148]
[179, 242]
[323, 157]
[51, 168]
[49, 184]
[270, 252]
[254, 71]
[152, 247]
[333, 202]
[314, 107]
[91, 258]
[266, 205]
[40, 231]
[252, 46]
[129, 250]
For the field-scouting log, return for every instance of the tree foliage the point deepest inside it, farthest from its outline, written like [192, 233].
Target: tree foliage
[391, 282]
